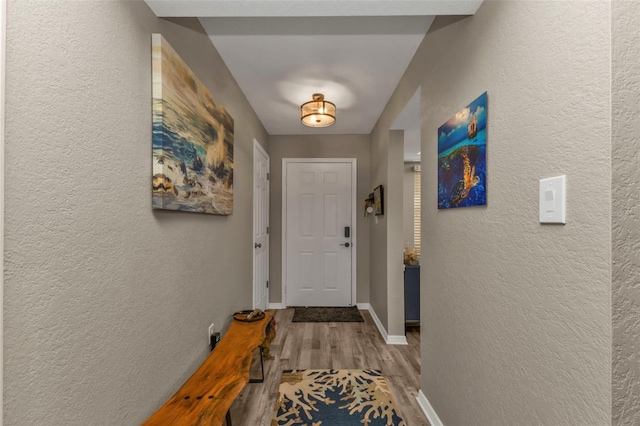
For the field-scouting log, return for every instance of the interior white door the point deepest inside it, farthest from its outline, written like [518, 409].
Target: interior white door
[260, 228]
[318, 252]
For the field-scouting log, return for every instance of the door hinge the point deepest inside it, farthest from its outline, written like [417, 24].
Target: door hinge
[268, 176]
[267, 284]
[267, 230]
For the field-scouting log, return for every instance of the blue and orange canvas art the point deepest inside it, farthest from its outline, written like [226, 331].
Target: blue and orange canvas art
[462, 157]
[192, 139]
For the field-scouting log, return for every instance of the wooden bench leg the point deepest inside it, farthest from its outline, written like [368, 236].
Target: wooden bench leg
[228, 418]
[261, 380]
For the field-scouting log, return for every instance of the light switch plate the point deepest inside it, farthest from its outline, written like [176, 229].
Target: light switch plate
[553, 200]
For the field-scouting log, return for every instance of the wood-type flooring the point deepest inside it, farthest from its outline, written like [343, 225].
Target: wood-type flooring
[355, 345]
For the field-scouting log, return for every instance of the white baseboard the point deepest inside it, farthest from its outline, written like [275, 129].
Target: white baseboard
[276, 306]
[389, 339]
[361, 306]
[381, 329]
[428, 410]
[397, 340]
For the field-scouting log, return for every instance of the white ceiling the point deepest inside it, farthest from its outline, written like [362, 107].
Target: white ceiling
[275, 8]
[356, 62]
[281, 52]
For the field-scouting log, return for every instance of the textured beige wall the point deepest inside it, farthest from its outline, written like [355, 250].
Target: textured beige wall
[395, 247]
[321, 146]
[626, 212]
[516, 321]
[378, 231]
[107, 302]
[387, 279]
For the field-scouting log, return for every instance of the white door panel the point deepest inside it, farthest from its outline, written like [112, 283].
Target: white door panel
[318, 208]
[260, 228]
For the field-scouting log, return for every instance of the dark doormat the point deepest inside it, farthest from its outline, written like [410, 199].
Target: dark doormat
[349, 314]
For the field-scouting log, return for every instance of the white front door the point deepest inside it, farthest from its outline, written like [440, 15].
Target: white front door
[260, 227]
[318, 233]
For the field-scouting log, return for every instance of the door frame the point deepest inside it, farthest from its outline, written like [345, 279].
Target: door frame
[257, 146]
[3, 50]
[354, 218]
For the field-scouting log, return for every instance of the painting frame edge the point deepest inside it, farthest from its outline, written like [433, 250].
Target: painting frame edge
[379, 189]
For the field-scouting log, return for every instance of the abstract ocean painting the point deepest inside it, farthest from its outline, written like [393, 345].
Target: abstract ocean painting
[192, 139]
[462, 157]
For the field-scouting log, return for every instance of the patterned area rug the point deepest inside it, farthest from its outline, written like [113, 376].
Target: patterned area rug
[351, 314]
[335, 398]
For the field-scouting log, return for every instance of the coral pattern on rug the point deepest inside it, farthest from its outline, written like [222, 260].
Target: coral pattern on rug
[335, 398]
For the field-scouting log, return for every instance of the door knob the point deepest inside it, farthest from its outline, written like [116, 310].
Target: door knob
[345, 244]
[258, 245]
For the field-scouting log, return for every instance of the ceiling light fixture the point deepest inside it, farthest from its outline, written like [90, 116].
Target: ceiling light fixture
[318, 112]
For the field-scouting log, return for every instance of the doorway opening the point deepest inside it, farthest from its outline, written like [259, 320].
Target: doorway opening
[409, 122]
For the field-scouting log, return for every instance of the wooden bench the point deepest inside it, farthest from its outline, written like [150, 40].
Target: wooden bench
[206, 397]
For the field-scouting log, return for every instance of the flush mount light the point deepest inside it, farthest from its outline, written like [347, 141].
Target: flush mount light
[318, 112]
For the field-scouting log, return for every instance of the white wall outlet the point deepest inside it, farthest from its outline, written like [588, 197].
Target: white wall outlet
[211, 331]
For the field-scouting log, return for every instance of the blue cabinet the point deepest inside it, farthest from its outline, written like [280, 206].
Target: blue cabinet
[412, 294]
